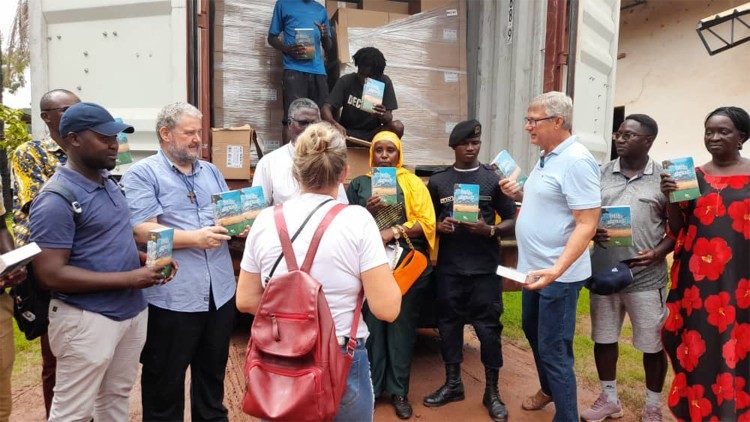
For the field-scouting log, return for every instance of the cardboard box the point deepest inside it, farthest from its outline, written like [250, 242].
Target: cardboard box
[419, 6]
[389, 6]
[354, 18]
[231, 150]
[332, 6]
[358, 159]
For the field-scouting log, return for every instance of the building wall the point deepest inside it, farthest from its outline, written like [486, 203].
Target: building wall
[668, 74]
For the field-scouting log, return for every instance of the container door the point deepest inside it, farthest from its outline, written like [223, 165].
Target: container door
[597, 31]
[127, 55]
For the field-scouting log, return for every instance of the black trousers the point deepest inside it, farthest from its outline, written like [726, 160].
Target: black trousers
[476, 300]
[176, 340]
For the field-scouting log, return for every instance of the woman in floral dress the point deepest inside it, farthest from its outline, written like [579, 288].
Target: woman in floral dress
[707, 332]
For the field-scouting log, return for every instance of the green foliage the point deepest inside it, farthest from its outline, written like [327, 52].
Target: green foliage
[16, 131]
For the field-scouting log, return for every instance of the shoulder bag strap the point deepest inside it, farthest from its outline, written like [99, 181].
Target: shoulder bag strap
[315, 242]
[299, 230]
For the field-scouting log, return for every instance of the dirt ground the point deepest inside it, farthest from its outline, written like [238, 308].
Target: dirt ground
[517, 380]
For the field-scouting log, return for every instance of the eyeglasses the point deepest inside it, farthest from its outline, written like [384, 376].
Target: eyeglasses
[191, 133]
[304, 123]
[533, 122]
[62, 109]
[625, 136]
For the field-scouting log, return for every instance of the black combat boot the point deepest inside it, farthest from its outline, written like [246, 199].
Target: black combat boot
[492, 400]
[452, 390]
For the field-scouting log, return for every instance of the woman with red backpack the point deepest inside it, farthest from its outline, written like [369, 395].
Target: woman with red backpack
[348, 260]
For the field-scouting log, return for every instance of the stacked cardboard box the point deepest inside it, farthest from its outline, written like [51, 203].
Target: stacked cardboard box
[426, 60]
[247, 72]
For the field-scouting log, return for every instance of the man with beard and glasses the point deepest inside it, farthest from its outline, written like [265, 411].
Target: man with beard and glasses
[190, 319]
[90, 263]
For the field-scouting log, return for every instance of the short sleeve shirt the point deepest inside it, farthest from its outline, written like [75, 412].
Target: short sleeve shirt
[461, 252]
[648, 214]
[347, 93]
[99, 239]
[156, 189]
[350, 246]
[32, 163]
[566, 180]
[289, 15]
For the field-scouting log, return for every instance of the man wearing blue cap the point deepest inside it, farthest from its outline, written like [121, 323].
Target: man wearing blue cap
[90, 263]
[468, 290]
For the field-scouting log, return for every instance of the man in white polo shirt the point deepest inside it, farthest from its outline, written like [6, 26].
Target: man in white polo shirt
[274, 171]
[558, 218]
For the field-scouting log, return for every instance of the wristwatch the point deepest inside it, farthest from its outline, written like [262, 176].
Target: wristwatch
[396, 233]
[492, 231]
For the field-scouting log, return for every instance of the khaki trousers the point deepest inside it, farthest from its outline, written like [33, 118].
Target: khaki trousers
[7, 354]
[97, 362]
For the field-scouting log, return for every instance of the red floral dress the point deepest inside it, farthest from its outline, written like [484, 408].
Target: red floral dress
[707, 332]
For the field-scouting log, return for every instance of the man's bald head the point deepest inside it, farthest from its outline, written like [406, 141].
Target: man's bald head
[52, 106]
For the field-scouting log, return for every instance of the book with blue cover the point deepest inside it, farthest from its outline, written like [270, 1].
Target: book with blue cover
[507, 168]
[616, 220]
[466, 202]
[159, 249]
[384, 184]
[682, 171]
[228, 211]
[123, 151]
[253, 201]
[372, 94]
[306, 38]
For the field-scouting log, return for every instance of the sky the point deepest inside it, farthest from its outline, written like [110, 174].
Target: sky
[22, 97]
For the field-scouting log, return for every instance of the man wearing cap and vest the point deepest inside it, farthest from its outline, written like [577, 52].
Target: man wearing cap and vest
[468, 290]
[90, 263]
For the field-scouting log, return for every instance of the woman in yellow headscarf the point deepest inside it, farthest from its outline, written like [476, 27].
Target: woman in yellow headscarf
[390, 346]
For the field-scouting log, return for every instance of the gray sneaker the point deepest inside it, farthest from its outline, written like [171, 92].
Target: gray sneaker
[602, 409]
[651, 414]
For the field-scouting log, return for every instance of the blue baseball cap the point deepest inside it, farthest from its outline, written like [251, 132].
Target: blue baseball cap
[90, 116]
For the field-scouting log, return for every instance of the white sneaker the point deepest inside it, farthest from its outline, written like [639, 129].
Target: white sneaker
[603, 409]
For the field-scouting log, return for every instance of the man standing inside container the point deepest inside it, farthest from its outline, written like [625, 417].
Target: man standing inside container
[305, 27]
[559, 214]
[468, 290]
[33, 163]
[191, 318]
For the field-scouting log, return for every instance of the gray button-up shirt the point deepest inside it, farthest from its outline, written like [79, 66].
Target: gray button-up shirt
[155, 188]
[648, 214]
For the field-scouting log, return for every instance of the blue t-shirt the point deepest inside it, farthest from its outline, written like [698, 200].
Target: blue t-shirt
[99, 239]
[567, 180]
[289, 15]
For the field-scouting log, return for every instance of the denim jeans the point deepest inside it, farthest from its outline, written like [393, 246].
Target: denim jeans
[549, 321]
[358, 403]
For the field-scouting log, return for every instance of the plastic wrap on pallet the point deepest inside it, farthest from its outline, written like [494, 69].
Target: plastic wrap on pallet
[426, 60]
[247, 71]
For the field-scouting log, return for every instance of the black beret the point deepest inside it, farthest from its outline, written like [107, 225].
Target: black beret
[466, 129]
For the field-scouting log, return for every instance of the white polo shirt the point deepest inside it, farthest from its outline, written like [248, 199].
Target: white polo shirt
[274, 174]
[567, 180]
[350, 246]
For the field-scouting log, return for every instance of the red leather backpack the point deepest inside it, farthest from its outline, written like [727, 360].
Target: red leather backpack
[295, 369]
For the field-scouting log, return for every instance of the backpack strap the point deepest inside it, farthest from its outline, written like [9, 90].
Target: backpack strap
[286, 244]
[313, 249]
[58, 188]
[352, 344]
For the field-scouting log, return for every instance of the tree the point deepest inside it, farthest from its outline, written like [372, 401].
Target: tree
[16, 55]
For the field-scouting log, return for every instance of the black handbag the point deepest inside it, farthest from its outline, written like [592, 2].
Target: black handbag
[30, 306]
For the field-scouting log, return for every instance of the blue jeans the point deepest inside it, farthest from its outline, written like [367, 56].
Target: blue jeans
[358, 403]
[549, 322]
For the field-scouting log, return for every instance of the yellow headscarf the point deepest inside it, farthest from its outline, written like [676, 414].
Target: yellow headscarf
[418, 203]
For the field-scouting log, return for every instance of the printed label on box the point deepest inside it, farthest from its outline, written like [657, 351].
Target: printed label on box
[235, 154]
[450, 34]
[450, 77]
[451, 12]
